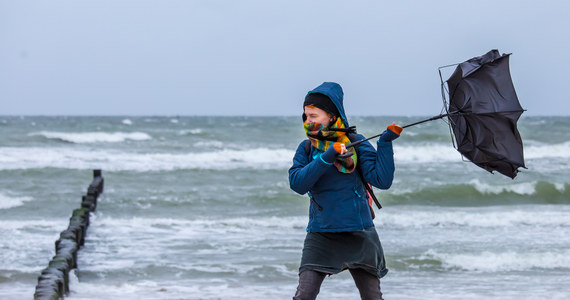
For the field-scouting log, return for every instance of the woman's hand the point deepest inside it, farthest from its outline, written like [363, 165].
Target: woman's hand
[340, 148]
[395, 128]
[391, 133]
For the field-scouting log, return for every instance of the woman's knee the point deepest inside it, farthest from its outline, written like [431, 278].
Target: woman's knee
[309, 285]
[368, 284]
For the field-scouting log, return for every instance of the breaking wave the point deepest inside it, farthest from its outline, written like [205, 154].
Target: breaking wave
[191, 131]
[504, 217]
[13, 158]
[7, 201]
[503, 261]
[476, 193]
[444, 152]
[93, 137]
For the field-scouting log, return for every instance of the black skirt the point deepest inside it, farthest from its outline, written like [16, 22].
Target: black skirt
[333, 252]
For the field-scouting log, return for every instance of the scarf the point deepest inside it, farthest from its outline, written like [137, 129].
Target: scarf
[322, 138]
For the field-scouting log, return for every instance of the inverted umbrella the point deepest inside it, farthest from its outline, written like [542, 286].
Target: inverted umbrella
[483, 113]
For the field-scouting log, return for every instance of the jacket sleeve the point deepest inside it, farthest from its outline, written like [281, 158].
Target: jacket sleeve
[377, 165]
[304, 174]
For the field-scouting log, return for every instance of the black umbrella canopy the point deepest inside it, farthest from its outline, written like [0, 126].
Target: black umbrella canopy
[483, 113]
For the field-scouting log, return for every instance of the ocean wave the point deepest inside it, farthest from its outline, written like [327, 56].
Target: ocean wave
[561, 150]
[220, 159]
[448, 218]
[93, 137]
[393, 218]
[476, 193]
[29, 243]
[504, 261]
[191, 131]
[444, 152]
[426, 153]
[13, 158]
[203, 226]
[7, 201]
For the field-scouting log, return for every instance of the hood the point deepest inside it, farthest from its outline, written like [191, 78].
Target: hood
[334, 91]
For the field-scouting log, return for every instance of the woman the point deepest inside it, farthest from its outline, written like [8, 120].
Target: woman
[340, 233]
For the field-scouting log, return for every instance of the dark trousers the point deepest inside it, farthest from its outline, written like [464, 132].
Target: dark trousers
[310, 284]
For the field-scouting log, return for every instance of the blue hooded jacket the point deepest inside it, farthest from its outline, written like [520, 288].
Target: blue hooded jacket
[342, 197]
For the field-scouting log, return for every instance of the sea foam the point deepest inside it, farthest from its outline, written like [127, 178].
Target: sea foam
[444, 152]
[546, 217]
[561, 150]
[11, 201]
[425, 153]
[503, 261]
[93, 137]
[12, 158]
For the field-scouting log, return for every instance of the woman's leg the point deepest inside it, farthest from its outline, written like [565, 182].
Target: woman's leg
[368, 285]
[309, 285]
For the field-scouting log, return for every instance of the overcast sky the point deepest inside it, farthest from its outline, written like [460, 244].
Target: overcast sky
[232, 57]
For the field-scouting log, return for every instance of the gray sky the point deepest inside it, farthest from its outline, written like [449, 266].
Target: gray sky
[261, 57]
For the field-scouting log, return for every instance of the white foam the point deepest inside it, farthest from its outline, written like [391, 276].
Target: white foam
[30, 243]
[197, 288]
[561, 150]
[174, 121]
[504, 261]
[444, 152]
[11, 201]
[12, 158]
[209, 144]
[93, 137]
[200, 226]
[426, 153]
[523, 188]
[127, 122]
[476, 217]
[191, 131]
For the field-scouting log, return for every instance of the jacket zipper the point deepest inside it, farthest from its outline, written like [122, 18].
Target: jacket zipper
[315, 202]
[358, 208]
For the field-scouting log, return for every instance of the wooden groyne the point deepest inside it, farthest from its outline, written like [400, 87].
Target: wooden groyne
[53, 283]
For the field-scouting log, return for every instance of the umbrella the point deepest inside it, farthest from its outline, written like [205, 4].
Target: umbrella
[485, 126]
[483, 111]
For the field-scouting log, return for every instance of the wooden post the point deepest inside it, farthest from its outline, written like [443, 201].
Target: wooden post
[53, 282]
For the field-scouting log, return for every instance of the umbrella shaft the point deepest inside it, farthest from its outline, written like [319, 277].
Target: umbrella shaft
[405, 126]
[426, 120]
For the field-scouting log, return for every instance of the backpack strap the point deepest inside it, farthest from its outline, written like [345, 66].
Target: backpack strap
[307, 147]
[353, 138]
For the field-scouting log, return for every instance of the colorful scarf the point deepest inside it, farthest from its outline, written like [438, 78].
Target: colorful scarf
[322, 138]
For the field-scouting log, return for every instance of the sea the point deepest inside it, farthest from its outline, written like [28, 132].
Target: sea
[200, 208]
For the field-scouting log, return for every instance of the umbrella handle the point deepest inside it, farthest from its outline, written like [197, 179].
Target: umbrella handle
[347, 154]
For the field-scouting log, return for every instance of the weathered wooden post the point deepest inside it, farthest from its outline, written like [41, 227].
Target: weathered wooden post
[53, 282]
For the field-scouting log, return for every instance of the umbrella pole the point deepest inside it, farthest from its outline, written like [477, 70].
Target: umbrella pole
[426, 120]
[405, 126]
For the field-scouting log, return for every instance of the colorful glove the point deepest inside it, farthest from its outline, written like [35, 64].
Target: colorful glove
[337, 147]
[391, 133]
[395, 128]
[331, 154]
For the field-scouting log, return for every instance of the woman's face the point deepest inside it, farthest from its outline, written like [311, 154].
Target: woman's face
[317, 115]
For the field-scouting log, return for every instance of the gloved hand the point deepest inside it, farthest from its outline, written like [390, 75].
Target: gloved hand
[332, 152]
[395, 128]
[391, 133]
[340, 148]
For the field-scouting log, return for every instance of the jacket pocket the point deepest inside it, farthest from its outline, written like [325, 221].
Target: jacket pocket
[340, 209]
